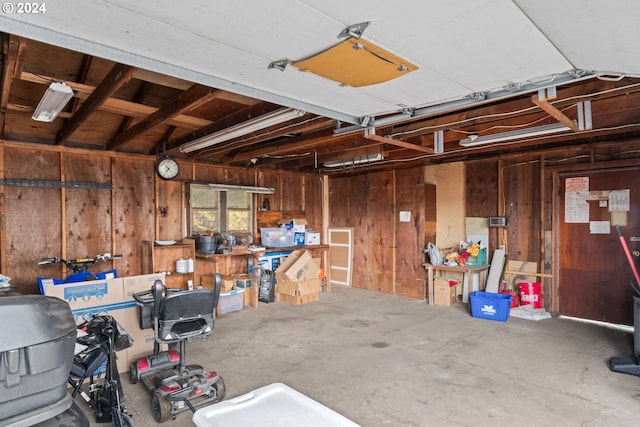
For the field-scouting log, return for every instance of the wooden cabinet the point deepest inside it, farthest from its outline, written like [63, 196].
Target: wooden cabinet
[162, 258]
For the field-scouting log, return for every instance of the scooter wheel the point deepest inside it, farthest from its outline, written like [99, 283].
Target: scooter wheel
[160, 407]
[133, 373]
[220, 388]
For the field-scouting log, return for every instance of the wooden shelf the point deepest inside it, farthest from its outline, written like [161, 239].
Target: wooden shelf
[162, 258]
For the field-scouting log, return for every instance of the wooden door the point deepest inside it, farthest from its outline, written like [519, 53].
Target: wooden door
[341, 242]
[594, 275]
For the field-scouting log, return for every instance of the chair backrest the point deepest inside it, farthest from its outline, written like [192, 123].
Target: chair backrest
[187, 313]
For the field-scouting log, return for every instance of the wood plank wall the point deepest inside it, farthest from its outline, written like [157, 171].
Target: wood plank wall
[71, 222]
[388, 254]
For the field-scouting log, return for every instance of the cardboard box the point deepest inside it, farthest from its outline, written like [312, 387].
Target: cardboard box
[227, 285]
[244, 281]
[134, 284]
[112, 297]
[91, 297]
[444, 291]
[298, 238]
[312, 239]
[240, 249]
[298, 225]
[143, 339]
[298, 266]
[300, 292]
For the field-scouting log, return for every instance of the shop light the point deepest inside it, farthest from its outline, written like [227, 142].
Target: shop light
[514, 134]
[52, 102]
[245, 188]
[354, 161]
[241, 129]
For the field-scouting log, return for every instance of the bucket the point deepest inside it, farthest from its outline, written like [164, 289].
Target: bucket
[530, 293]
[208, 244]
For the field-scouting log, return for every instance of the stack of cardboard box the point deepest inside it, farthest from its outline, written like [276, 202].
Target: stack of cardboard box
[298, 279]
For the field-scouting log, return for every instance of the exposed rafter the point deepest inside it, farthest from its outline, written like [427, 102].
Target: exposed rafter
[187, 100]
[118, 76]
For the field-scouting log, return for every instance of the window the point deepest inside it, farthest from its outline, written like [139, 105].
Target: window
[220, 211]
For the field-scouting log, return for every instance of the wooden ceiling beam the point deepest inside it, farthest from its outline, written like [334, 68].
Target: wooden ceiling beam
[115, 78]
[82, 77]
[141, 93]
[398, 143]
[14, 50]
[118, 106]
[186, 101]
[176, 83]
[554, 112]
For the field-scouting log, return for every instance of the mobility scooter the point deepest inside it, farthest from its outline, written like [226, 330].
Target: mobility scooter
[177, 316]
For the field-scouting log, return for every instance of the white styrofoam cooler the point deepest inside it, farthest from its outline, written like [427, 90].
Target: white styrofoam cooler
[273, 405]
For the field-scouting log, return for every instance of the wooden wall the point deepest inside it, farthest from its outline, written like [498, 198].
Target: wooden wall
[42, 220]
[387, 254]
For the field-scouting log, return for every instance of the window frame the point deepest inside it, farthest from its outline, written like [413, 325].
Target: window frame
[222, 210]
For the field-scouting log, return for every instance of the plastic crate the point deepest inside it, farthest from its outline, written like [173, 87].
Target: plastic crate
[489, 305]
[231, 301]
[277, 237]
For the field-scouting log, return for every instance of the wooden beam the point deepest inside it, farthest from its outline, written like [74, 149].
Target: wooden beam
[82, 77]
[14, 49]
[555, 113]
[399, 143]
[141, 93]
[115, 78]
[188, 100]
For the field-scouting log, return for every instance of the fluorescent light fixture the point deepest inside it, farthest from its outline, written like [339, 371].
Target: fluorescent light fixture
[354, 161]
[261, 122]
[514, 134]
[52, 102]
[245, 188]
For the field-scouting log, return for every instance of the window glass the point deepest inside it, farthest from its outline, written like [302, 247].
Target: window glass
[239, 211]
[219, 211]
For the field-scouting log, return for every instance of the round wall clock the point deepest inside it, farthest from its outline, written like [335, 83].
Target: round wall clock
[167, 168]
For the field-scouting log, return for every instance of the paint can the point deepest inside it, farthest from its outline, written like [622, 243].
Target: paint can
[530, 294]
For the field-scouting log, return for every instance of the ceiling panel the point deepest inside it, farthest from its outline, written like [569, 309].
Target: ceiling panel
[461, 47]
[592, 34]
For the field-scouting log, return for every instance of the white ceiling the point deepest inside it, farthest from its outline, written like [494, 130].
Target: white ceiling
[461, 46]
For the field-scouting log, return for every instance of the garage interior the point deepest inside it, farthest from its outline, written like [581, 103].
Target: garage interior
[401, 126]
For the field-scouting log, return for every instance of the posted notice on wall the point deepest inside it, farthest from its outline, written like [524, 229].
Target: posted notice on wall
[619, 200]
[576, 195]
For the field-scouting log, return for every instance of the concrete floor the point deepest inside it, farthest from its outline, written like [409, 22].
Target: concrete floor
[382, 360]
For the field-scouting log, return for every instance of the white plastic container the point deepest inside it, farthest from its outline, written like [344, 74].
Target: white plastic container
[273, 405]
[181, 266]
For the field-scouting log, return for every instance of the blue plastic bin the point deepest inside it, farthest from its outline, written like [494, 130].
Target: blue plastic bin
[489, 305]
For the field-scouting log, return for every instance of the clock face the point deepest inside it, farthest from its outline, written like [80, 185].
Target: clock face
[167, 168]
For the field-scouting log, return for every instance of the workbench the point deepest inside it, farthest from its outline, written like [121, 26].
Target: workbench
[475, 273]
[232, 263]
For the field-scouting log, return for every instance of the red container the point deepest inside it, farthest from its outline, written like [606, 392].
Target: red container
[530, 293]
